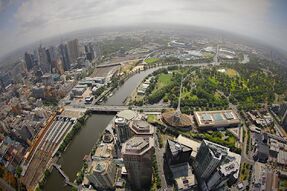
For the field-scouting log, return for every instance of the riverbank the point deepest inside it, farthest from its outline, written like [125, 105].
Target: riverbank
[86, 164]
[62, 147]
[71, 159]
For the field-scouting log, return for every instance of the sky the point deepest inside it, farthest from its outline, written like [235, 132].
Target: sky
[23, 22]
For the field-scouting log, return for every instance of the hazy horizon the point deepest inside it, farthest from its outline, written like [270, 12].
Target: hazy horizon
[26, 22]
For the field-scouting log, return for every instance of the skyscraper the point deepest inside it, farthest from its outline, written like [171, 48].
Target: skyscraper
[73, 49]
[90, 53]
[209, 157]
[141, 128]
[43, 60]
[102, 174]
[5, 79]
[224, 173]
[53, 54]
[29, 61]
[176, 153]
[122, 129]
[63, 48]
[137, 154]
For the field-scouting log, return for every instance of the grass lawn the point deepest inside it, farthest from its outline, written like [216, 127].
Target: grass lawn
[151, 118]
[231, 72]
[208, 55]
[244, 172]
[163, 80]
[282, 184]
[151, 60]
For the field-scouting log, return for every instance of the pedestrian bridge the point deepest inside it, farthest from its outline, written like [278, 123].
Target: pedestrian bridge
[67, 180]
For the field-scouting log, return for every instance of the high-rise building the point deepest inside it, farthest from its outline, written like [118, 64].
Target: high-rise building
[141, 128]
[224, 173]
[215, 166]
[43, 60]
[53, 59]
[73, 49]
[122, 129]
[209, 157]
[176, 153]
[58, 66]
[5, 79]
[52, 54]
[29, 61]
[90, 53]
[177, 158]
[137, 153]
[102, 174]
[63, 48]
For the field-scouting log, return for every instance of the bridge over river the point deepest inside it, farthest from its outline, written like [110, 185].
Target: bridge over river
[117, 108]
[67, 180]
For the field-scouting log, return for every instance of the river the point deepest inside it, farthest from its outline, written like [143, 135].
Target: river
[72, 159]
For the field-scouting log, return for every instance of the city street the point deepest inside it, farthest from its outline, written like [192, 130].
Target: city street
[159, 152]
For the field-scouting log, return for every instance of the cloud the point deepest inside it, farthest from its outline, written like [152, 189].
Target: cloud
[4, 4]
[37, 19]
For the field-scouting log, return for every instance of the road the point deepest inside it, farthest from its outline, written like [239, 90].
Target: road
[159, 158]
[159, 152]
[244, 153]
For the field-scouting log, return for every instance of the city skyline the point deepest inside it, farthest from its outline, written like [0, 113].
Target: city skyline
[187, 95]
[24, 22]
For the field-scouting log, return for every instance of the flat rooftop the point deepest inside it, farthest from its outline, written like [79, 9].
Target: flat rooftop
[221, 118]
[176, 147]
[127, 114]
[104, 151]
[99, 166]
[140, 127]
[194, 145]
[137, 145]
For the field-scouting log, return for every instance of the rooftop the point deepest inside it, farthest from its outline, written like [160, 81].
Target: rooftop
[99, 166]
[194, 145]
[176, 147]
[137, 145]
[216, 150]
[141, 127]
[229, 168]
[216, 118]
[176, 119]
[182, 174]
[127, 114]
[104, 151]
